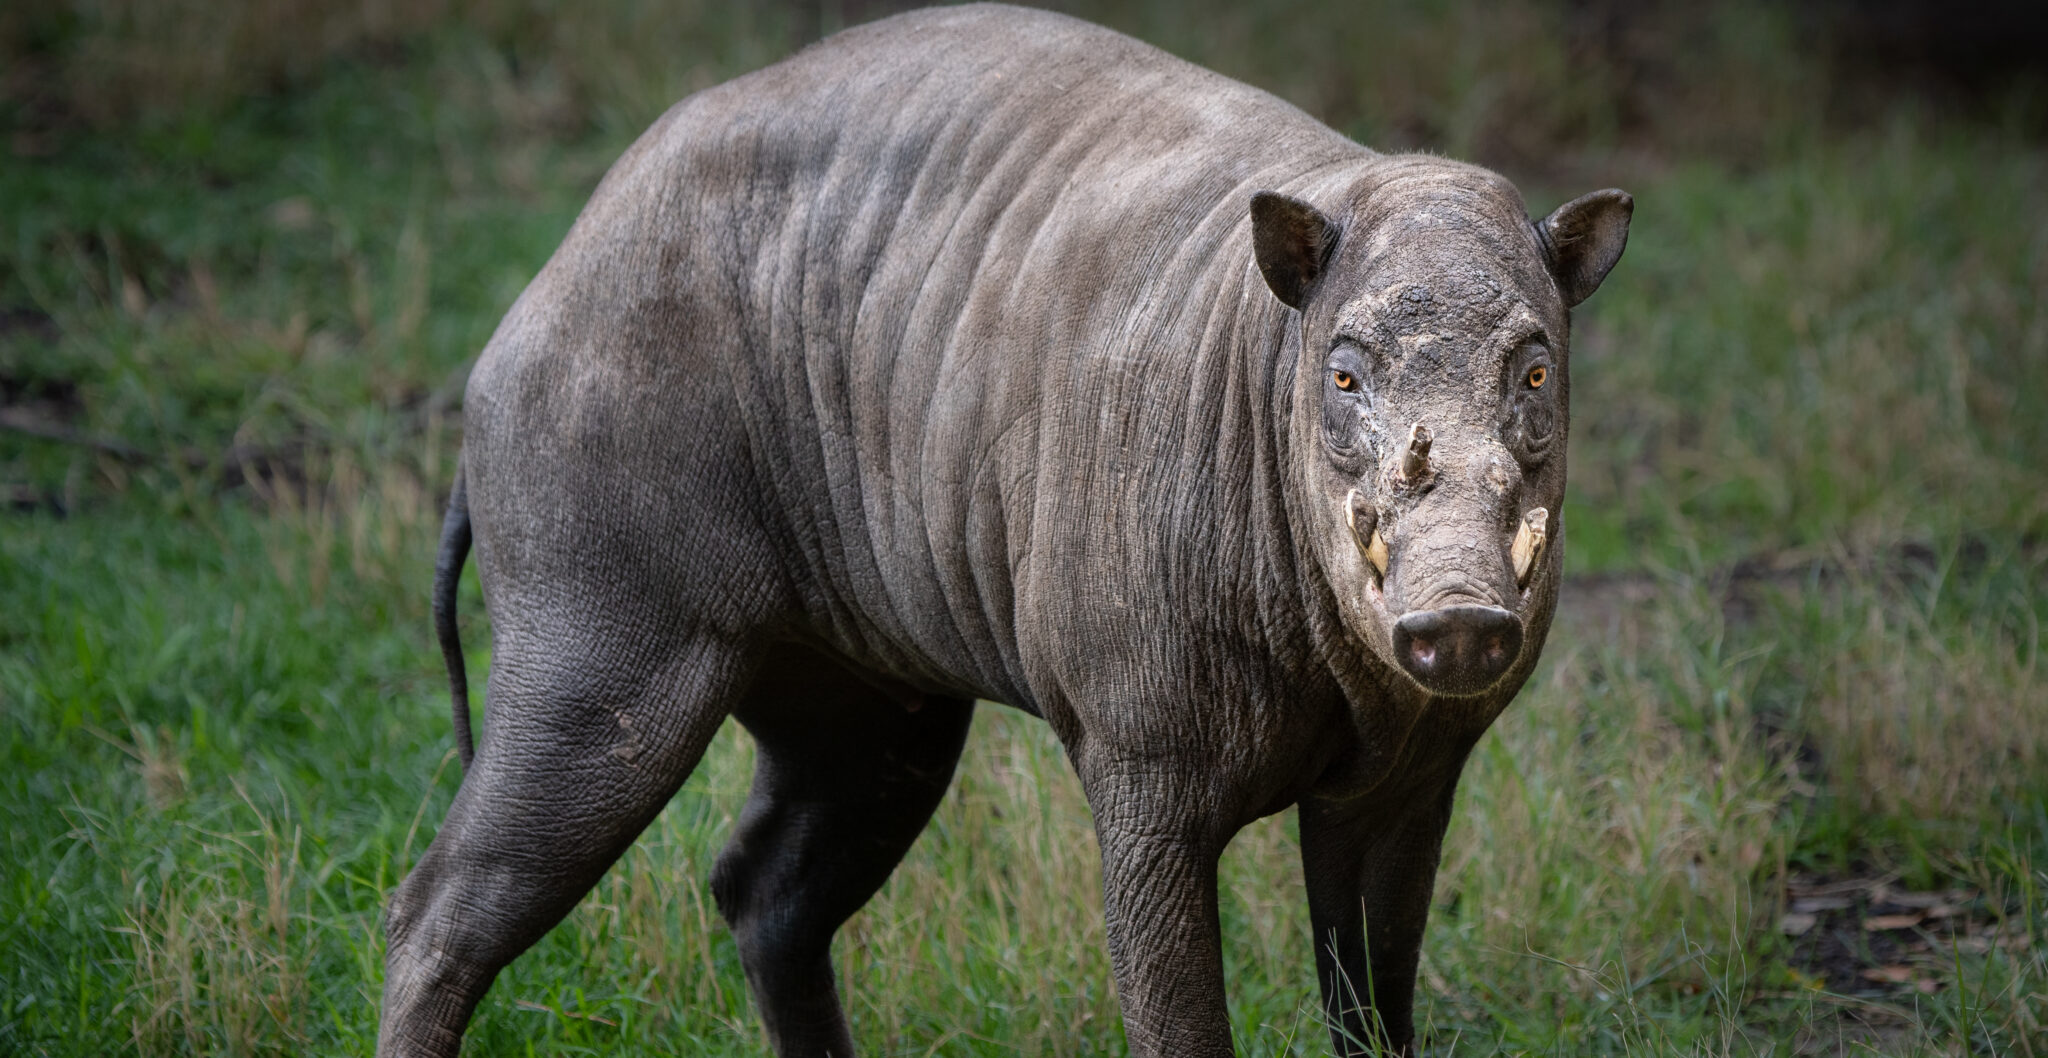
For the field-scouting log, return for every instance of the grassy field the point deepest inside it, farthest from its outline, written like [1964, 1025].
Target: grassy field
[1780, 786]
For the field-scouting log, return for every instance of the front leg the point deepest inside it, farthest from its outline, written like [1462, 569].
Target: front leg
[1334, 838]
[1369, 880]
[1160, 845]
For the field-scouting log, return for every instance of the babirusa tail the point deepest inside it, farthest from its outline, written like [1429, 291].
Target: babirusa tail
[447, 574]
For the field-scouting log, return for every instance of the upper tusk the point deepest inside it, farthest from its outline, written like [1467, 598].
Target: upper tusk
[1376, 553]
[1529, 540]
[1415, 461]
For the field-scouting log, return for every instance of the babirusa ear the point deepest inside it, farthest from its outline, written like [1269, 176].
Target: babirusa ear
[1583, 239]
[1292, 242]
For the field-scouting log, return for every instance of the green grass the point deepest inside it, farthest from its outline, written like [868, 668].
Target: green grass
[1803, 642]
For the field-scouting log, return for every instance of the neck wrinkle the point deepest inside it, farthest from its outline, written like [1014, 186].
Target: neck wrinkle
[1296, 610]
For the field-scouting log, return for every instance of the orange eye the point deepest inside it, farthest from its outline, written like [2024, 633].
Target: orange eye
[1537, 376]
[1345, 381]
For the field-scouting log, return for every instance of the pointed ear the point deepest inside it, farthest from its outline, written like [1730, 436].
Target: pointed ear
[1292, 242]
[1583, 239]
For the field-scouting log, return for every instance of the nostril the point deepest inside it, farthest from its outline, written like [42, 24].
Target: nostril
[1457, 649]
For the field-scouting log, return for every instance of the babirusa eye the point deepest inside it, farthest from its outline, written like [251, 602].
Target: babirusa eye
[1345, 380]
[1537, 376]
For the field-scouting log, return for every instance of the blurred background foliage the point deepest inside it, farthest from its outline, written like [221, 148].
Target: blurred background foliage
[1780, 787]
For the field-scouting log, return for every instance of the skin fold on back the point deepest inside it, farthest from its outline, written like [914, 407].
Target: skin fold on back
[961, 286]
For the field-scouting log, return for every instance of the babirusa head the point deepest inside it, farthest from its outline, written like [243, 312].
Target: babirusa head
[1430, 403]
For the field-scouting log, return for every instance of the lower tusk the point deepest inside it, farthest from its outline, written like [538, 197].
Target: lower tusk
[1365, 532]
[1529, 540]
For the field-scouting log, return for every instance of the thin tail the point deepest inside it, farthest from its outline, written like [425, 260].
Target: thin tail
[447, 574]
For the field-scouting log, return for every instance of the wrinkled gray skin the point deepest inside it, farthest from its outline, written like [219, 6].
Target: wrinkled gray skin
[955, 358]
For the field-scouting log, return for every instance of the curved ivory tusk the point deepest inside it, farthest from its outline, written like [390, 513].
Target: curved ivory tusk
[1365, 532]
[1529, 540]
[1415, 461]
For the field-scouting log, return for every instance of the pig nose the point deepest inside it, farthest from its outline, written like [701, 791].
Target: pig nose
[1457, 650]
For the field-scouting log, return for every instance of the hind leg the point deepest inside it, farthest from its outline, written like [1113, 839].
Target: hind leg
[846, 778]
[585, 741]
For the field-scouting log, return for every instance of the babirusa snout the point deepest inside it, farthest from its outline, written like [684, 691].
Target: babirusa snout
[1457, 633]
[1530, 537]
[1458, 650]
